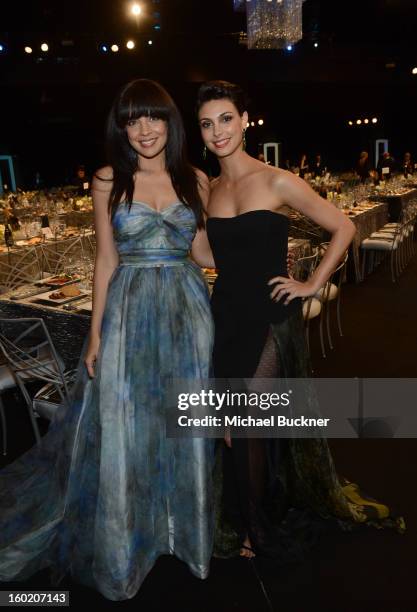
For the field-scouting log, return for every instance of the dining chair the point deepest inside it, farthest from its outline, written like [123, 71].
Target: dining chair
[332, 292]
[18, 268]
[31, 357]
[56, 257]
[7, 381]
[302, 270]
[384, 242]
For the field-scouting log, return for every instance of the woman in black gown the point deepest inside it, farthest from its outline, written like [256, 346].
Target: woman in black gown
[259, 333]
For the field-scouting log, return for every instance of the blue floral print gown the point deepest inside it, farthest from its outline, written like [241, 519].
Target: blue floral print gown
[106, 492]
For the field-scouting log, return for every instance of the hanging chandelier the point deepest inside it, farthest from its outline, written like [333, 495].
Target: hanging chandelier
[272, 24]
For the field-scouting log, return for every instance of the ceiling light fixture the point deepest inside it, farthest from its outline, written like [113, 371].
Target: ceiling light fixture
[273, 25]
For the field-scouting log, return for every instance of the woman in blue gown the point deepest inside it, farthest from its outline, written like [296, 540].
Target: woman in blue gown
[106, 492]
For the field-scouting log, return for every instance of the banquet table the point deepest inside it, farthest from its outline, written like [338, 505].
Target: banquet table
[397, 202]
[25, 261]
[78, 218]
[367, 217]
[367, 220]
[68, 329]
[69, 323]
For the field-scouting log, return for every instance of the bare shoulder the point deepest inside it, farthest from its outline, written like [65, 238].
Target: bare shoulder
[285, 177]
[277, 175]
[103, 179]
[214, 183]
[262, 173]
[295, 193]
[200, 174]
[285, 181]
[202, 179]
[104, 174]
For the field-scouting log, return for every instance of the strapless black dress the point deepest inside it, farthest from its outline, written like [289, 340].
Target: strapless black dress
[249, 250]
[274, 490]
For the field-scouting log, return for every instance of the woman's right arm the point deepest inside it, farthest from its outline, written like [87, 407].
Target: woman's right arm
[105, 263]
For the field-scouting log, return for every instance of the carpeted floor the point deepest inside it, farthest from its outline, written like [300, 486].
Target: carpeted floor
[370, 570]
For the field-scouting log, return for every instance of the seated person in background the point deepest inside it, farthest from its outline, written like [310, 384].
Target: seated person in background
[81, 181]
[408, 166]
[386, 162]
[318, 169]
[363, 167]
[304, 167]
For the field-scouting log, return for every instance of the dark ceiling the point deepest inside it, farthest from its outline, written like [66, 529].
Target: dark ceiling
[195, 31]
[350, 21]
[58, 101]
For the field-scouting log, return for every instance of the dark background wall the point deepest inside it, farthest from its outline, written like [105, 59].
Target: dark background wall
[53, 107]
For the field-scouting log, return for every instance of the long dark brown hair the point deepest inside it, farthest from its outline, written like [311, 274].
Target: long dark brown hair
[146, 98]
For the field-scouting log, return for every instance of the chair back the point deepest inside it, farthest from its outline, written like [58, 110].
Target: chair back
[57, 257]
[18, 268]
[304, 266]
[30, 353]
[302, 270]
[337, 276]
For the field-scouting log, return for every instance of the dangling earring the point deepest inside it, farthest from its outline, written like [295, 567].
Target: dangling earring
[205, 153]
[244, 140]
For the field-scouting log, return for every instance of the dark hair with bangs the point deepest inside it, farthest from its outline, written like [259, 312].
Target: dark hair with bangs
[218, 90]
[141, 98]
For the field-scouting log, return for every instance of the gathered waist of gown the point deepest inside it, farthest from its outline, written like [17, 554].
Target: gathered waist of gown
[154, 258]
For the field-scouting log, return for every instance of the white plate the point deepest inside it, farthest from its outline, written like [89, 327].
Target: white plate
[43, 298]
[50, 283]
[86, 306]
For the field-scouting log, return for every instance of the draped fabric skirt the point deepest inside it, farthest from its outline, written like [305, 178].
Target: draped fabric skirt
[106, 492]
[279, 492]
